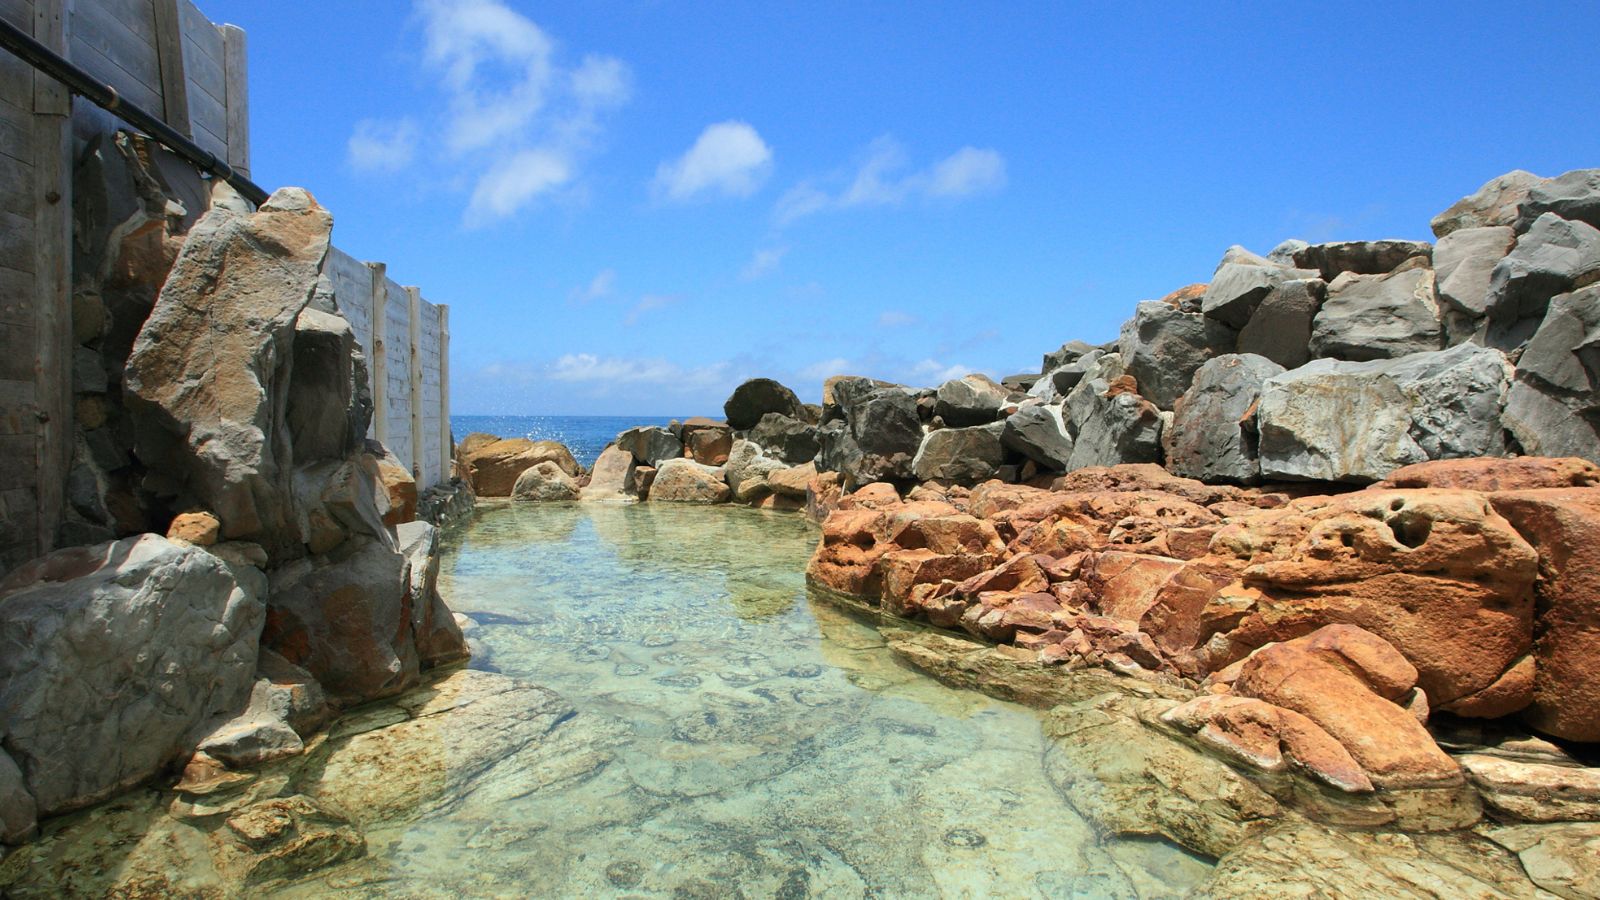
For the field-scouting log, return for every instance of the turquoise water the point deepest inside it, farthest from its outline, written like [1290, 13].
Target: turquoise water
[764, 744]
[585, 436]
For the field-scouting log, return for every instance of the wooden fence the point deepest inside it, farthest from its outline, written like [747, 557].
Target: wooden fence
[168, 58]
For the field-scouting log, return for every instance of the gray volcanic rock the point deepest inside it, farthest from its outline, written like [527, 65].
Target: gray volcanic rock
[747, 464]
[545, 483]
[438, 636]
[1164, 343]
[1039, 433]
[1332, 420]
[344, 618]
[1113, 425]
[1378, 316]
[1552, 409]
[1553, 257]
[1213, 432]
[1241, 282]
[757, 397]
[1574, 196]
[1069, 352]
[1057, 383]
[960, 455]
[1283, 254]
[886, 432]
[686, 481]
[330, 403]
[1492, 205]
[114, 658]
[650, 444]
[970, 400]
[207, 381]
[1280, 327]
[839, 392]
[1464, 261]
[18, 813]
[787, 439]
[1361, 257]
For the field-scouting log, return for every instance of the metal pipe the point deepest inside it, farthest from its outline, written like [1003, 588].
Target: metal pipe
[106, 97]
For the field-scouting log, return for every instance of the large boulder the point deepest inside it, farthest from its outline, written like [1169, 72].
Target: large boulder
[1057, 383]
[707, 442]
[1552, 408]
[433, 626]
[757, 397]
[747, 469]
[971, 400]
[1356, 421]
[1378, 316]
[545, 482]
[1463, 264]
[208, 379]
[345, 618]
[1166, 341]
[1241, 282]
[686, 481]
[1493, 205]
[1361, 257]
[960, 455]
[787, 439]
[1040, 433]
[1213, 434]
[1563, 524]
[115, 660]
[493, 468]
[1067, 353]
[1280, 327]
[612, 476]
[650, 444]
[884, 433]
[1574, 195]
[1553, 257]
[1113, 424]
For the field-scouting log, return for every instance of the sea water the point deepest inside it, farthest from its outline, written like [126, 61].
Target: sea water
[585, 436]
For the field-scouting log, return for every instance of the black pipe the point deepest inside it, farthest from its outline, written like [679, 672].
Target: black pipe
[106, 97]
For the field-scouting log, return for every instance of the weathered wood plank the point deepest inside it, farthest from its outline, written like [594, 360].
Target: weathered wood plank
[169, 53]
[236, 69]
[207, 112]
[53, 277]
[16, 133]
[16, 186]
[18, 405]
[418, 443]
[198, 26]
[17, 238]
[96, 25]
[17, 446]
[378, 362]
[16, 82]
[91, 59]
[17, 12]
[16, 297]
[205, 73]
[17, 344]
[447, 450]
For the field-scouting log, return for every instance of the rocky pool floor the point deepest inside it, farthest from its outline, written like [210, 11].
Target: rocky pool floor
[759, 742]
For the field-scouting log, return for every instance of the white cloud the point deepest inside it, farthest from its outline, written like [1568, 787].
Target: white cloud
[729, 158]
[932, 372]
[515, 181]
[763, 263]
[877, 180]
[894, 318]
[379, 146]
[610, 371]
[646, 304]
[824, 369]
[598, 287]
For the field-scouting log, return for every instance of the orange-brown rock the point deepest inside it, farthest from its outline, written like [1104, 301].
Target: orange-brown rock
[1564, 524]
[792, 482]
[904, 570]
[1164, 597]
[1438, 574]
[708, 443]
[1262, 736]
[402, 490]
[1151, 477]
[493, 467]
[1492, 474]
[199, 528]
[846, 559]
[876, 495]
[822, 496]
[1333, 677]
[1022, 574]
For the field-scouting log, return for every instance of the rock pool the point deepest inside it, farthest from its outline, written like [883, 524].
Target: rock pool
[714, 731]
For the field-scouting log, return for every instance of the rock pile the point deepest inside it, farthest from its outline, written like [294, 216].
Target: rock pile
[223, 403]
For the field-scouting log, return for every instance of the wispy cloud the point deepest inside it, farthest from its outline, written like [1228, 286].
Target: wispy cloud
[894, 318]
[648, 303]
[380, 146]
[932, 372]
[729, 159]
[825, 369]
[587, 368]
[515, 121]
[763, 263]
[598, 287]
[881, 179]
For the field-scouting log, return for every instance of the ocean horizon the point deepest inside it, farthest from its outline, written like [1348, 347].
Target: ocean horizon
[585, 436]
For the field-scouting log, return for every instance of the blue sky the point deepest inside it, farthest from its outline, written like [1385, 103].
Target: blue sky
[631, 206]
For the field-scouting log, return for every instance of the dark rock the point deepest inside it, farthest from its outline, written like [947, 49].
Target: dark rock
[786, 439]
[330, 401]
[1464, 261]
[886, 431]
[970, 400]
[1020, 383]
[1574, 196]
[1241, 282]
[1069, 352]
[1378, 316]
[840, 391]
[1280, 327]
[1113, 425]
[650, 444]
[1361, 257]
[1553, 257]
[1213, 435]
[1552, 408]
[1039, 433]
[960, 455]
[1495, 204]
[1283, 254]
[757, 397]
[1163, 344]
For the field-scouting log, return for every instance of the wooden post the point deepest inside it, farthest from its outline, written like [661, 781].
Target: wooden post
[174, 82]
[447, 449]
[52, 222]
[380, 356]
[236, 79]
[418, 448]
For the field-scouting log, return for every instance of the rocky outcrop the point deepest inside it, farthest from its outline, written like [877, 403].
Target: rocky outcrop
[493, 466]
[1553, 257]
[1166, 341]
[757, 397]
[786, 439]
[116, 658]
[1493, 205]
[612, 475]
[1552, 409]
[970, 400]
[650, 445]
